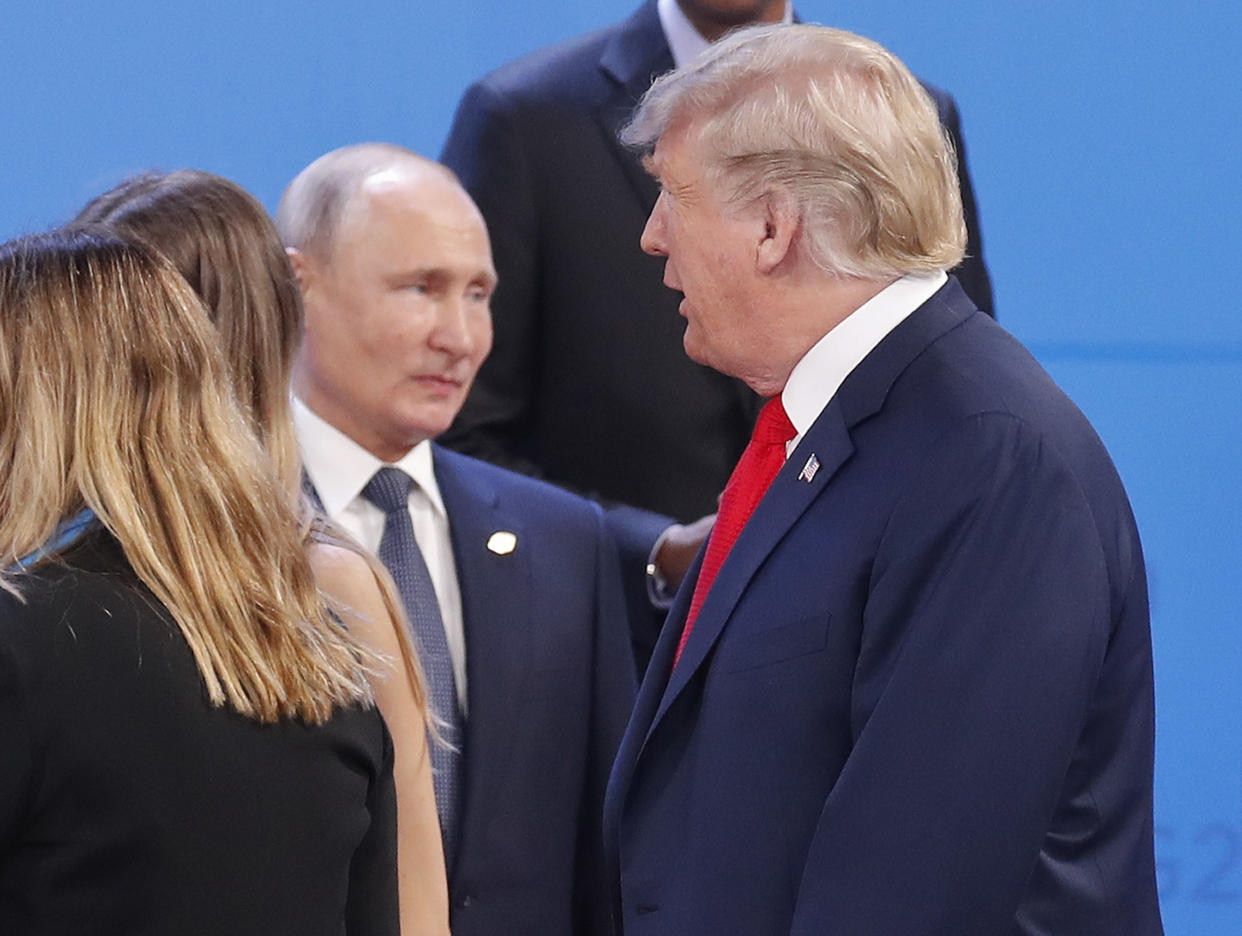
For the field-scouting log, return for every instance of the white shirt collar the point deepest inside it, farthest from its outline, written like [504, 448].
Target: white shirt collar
[684, 40]
[816, 378]
[340, 468]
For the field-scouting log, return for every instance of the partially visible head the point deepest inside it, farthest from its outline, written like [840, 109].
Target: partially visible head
[105, 357]
[396, 273]
[802, 169]
[114, 395]
[833, 125]
[225, 246]
[713, 18]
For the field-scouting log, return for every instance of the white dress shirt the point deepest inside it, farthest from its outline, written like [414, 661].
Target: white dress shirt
[816, 378]
[340, 468]
[684, 40]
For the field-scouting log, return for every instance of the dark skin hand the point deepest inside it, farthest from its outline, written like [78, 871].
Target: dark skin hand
[681, 544]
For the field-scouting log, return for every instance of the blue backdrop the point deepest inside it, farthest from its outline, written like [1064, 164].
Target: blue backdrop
[1104, 142]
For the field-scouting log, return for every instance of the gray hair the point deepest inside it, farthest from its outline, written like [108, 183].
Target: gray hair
[311, 208]
[831, 121]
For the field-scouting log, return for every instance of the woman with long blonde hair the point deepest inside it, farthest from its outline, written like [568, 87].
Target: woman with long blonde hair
[226, 247]
[189, 741]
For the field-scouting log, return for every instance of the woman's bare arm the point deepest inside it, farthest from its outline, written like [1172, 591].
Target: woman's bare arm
[348, 580]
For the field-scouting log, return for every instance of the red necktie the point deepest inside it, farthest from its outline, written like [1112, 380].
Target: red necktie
[759, 464]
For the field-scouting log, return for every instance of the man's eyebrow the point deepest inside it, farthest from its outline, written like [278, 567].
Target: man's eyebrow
[649, 165]
[416, 272]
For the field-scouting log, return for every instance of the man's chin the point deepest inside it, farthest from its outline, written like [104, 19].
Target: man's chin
[426, 429]
[694, 348]
[418, 428]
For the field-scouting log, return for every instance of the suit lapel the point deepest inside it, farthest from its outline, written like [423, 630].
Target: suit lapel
[650, 694]
[829, 441]
[635, 54]
[785, 501]
[496, 609]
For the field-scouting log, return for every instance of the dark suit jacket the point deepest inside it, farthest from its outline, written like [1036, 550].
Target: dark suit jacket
[550, 684]
[918, 697]
[588, 385]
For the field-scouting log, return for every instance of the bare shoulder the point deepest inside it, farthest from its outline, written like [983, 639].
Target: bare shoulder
[346, 577]
[348, 581]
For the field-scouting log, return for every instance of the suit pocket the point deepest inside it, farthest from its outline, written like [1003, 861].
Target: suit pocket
[777, 644]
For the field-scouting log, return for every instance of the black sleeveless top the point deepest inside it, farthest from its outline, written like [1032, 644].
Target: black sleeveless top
[130, 805]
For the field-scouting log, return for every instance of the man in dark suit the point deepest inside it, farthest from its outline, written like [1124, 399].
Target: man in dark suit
[511, 584]
[587, 385]
[907, 689]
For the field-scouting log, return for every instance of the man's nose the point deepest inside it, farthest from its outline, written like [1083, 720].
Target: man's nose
[453, 333]
[652, 240]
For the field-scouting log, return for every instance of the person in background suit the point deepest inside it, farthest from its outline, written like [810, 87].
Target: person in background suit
[587, 386]
[511, 584]
[907, 687]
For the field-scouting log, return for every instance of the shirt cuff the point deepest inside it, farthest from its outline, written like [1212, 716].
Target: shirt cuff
[659, 593]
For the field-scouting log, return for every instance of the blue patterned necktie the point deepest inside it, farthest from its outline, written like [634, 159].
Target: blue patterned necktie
[389, 490]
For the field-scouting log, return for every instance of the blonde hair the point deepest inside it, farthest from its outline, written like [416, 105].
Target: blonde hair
[225, 245]
[114, 397]
[831, 121]
[222, 242]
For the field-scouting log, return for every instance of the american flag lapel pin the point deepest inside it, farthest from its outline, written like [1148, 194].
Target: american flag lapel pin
[809, 469]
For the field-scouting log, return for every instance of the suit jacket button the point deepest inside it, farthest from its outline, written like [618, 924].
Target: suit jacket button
[465, 900]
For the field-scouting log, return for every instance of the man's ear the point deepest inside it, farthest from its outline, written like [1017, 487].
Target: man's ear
[302, 268]
[780, 227]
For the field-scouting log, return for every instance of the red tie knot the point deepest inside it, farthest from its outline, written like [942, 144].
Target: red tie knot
[773, 426]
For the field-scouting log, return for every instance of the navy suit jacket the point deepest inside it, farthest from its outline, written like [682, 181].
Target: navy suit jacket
[587, 384]
[549, 685]
[918, 697]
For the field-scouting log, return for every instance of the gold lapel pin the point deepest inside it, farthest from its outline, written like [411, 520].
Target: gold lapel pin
[502, 542]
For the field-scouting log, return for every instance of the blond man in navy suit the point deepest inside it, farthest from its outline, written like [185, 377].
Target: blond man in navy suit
[915, 695]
